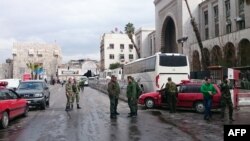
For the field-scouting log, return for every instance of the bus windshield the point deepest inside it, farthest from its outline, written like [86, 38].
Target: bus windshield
[173, 61]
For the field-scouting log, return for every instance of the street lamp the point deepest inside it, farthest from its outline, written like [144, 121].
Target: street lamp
[182, 40]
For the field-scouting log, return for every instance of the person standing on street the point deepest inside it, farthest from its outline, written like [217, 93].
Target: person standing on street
[69, 94]
[76, 95]
[208, 90]
[132, 97]
[171, 91]
[113, 91]
[81, 84]
[226, 99]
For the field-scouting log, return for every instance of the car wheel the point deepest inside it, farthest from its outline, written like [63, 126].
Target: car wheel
[199, 107]
[149, 103]
[25, 114]
[5, 120]
[43, 105]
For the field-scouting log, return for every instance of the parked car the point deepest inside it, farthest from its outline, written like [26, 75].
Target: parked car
[189, 96]
[85, 79]
[11, 105]
[36, 92]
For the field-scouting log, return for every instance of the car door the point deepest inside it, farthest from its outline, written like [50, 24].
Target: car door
[19, 103]
[186, 95]
[11, 101]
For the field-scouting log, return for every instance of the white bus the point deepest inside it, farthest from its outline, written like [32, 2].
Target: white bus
[152, 72]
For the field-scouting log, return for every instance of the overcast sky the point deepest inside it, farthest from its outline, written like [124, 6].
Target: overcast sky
[76, 25]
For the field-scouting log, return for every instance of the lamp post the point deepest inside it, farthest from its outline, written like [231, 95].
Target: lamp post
[181, 41]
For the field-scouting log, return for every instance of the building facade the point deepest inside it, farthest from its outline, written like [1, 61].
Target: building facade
[223, 26]
[145, 41]
[6, 69]
[116, 48]
[47, 56]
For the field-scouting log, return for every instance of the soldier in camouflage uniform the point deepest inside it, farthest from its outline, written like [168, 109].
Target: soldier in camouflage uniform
[226, 99]
[132, 97]
[171, 91]
[69, 94]
[113, 91]
[76, 90]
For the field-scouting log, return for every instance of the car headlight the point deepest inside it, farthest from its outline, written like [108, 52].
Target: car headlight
[38, 95]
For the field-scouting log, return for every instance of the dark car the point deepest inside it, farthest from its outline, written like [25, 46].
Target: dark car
[189, 96]
[11, 105]
[36, 92]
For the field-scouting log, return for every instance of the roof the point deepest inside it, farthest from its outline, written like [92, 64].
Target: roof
[33, 81]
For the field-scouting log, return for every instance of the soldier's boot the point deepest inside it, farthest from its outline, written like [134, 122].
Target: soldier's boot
[231, 115]
[67, 108]
[78, 107]
[71, 107]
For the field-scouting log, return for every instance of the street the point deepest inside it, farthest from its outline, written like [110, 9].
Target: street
[92, 122]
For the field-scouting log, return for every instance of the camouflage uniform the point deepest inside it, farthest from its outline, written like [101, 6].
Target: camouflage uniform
[81, 85]
[113, 91]
[171, 91]
[132, 98]
[226, 100]
[69, 95]
[76, 95]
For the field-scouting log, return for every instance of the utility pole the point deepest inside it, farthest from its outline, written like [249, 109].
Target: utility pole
[198, 37]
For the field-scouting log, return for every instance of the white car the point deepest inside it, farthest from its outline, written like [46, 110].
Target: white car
[85, 79]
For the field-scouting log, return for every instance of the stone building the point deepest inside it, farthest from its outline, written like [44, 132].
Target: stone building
[47, 56]
[6, 69]
[223, 25]
[116, 47]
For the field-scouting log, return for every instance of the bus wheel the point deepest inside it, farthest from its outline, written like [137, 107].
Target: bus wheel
[149, 103]
[199, 107]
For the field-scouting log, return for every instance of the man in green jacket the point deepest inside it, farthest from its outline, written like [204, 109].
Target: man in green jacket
[132, 97]
[113, 91]
[208, 91]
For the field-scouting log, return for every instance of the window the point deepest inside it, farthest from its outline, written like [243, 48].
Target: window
[146, 65]
[241, 18]
[121, 46]
[173, 61]
[206, 24]
[111, 56]
[131, 56]
[111, 46]
[190, 89]
[131, 46]
[121, 56]
[216, 21]
[228, 16]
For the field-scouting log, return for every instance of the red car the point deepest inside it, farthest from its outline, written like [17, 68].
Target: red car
[11, 105]
[189, 96]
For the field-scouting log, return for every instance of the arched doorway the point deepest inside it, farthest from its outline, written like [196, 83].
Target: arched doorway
[216, 56]
[229, 55]
[168, 38]
[196, 61]
[206, 56]
[244, 53]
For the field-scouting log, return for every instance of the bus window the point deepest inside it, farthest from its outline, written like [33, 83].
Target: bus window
[173, 61]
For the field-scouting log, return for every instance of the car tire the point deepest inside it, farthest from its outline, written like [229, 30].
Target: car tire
[149, 103]
[43, 105]
[199, 107]
[5, 120]
[25, 114]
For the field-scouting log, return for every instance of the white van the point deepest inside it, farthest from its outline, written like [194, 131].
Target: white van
[12, 83]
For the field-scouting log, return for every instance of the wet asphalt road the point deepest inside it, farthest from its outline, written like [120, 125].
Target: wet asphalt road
[92, 123]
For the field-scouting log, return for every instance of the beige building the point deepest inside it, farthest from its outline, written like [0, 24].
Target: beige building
[48, 56]
[223, 25]
[116, 48]
[6, 69]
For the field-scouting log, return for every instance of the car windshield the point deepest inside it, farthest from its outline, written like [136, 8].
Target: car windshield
[31, 85]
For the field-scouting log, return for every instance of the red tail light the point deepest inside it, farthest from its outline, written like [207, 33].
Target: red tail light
[157, 81]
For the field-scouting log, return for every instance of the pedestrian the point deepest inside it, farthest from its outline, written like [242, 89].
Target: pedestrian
[132, 97]
[81, 84]
[171, 92]
[208, 90]
[69, 94]
[113, 91]
[226, 99]
[76, 90]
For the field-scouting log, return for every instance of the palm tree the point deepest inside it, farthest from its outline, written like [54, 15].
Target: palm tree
[130, 31]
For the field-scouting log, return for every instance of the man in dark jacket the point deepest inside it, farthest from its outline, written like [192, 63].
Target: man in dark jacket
[171, 91]
[132, 97]
[226, 99]
[113, 91]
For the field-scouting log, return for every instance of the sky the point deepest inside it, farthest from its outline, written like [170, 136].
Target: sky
[75, 25]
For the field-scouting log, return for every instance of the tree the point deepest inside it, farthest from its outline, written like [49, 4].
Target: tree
[198, 37]
[115, 66]
[130, 31]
